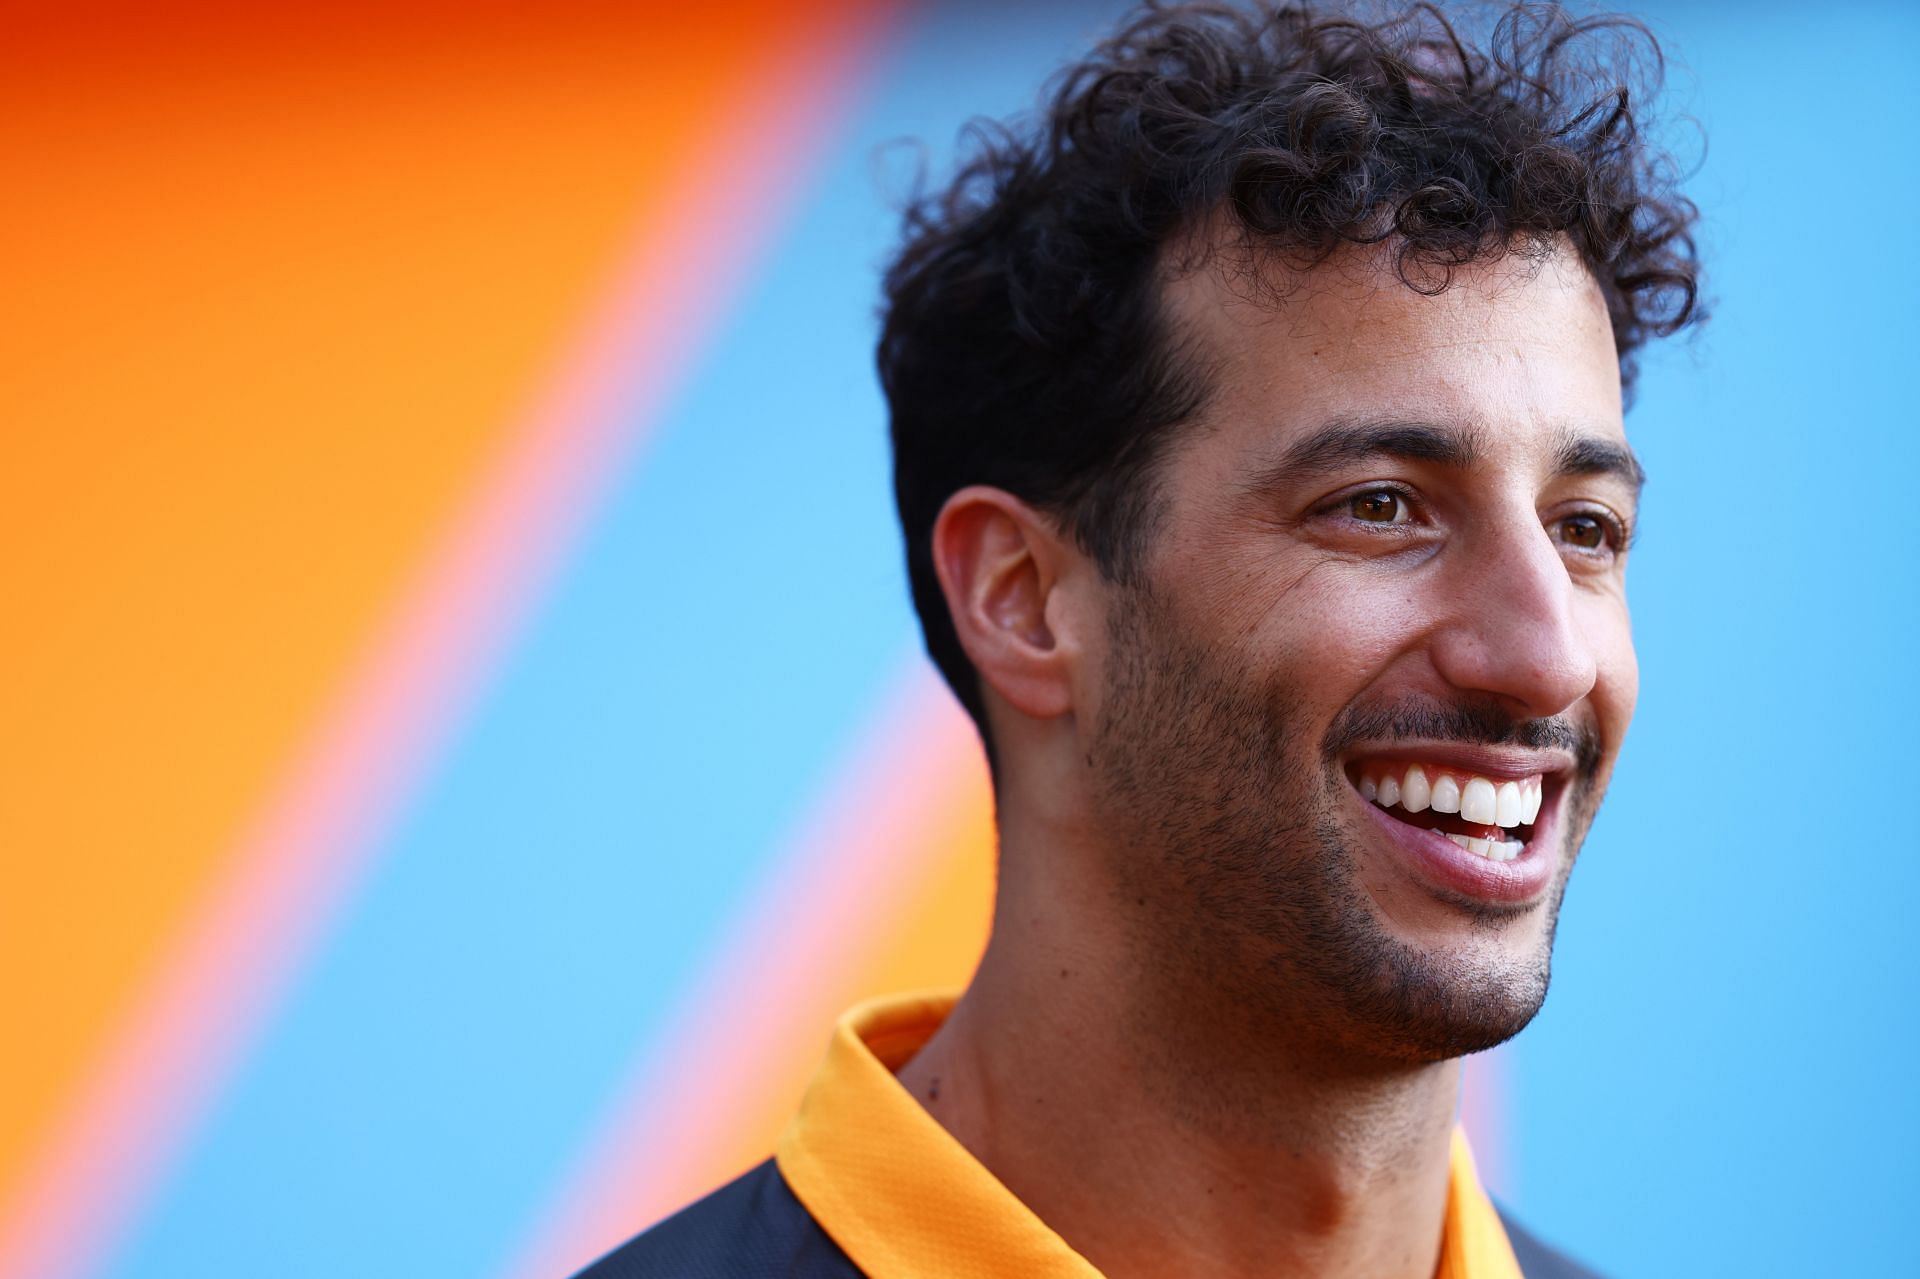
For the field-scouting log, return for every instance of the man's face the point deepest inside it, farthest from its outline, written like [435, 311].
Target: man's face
[1354, 723]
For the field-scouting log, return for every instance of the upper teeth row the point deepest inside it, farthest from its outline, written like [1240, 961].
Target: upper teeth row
[1476, 799]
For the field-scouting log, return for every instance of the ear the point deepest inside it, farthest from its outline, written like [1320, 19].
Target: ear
[1001, 564]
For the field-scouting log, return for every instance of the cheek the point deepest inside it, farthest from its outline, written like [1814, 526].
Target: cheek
[1332, 631]
[1617, 668]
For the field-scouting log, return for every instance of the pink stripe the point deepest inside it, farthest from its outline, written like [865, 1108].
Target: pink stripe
[786, 958]
[290, 875]
[1483, 1113]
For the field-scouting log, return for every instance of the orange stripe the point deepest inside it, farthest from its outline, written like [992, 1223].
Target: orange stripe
[929, 939]
[282, 276]
[890, 884]
[928, 935]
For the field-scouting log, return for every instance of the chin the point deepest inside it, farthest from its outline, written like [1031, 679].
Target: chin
[1464, 978]
[1424, 1008]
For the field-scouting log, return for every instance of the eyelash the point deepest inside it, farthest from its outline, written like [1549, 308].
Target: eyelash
[1620, 535]
[1345, 501]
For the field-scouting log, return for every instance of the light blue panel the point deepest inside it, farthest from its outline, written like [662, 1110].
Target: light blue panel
[1722, 1083]
[714, 645]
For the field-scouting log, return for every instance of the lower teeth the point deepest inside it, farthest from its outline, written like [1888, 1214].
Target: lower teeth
[1496, 850]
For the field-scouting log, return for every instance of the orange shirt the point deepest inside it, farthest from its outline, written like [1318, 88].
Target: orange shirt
[906, 1201]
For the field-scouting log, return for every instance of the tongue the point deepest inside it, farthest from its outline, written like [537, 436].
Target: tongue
[1452, 823]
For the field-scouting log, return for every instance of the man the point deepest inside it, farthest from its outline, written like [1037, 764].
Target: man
[1259, 448]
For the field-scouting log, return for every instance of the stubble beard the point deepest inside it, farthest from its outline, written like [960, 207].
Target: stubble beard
[1233, 863]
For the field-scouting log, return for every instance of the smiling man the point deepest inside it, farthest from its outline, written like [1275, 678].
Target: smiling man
[1259, 447]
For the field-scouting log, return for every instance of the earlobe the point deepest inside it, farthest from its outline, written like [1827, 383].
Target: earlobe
[1000, 562]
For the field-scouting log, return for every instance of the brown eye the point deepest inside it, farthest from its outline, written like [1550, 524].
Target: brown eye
[1584, 531]
[1380, 506]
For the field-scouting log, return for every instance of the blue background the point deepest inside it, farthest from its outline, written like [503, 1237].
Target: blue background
[1717, 1084]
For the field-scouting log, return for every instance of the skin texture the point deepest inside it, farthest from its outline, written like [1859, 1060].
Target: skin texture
[1215, 1031]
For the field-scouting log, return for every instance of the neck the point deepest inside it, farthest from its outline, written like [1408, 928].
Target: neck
[1158, 1136]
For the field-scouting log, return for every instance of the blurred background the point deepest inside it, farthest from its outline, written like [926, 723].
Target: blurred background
[462, 732]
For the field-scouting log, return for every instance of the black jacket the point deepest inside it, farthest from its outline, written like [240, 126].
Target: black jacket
[754, 1228]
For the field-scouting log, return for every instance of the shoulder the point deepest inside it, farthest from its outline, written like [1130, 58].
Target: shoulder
[1539, 1260]
[751, 1226]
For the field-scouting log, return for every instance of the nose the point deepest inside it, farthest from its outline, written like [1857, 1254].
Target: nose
[1514, 631]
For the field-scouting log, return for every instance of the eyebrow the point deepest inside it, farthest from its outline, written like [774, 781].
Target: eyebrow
[1596, 455]
[1344, 441]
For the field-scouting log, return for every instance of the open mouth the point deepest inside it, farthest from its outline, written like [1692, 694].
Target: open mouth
[1490, 817]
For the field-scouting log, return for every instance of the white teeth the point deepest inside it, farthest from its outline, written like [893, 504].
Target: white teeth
[1508, 804]
[1416, 794]
[1476, 801]
[1494, 850]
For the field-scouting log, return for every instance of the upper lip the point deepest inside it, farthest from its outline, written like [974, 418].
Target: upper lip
[1504, 762]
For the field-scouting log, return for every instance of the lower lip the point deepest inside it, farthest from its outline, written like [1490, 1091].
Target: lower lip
[1447, 866]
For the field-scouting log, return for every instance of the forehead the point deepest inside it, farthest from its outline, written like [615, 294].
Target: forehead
[1519, 351]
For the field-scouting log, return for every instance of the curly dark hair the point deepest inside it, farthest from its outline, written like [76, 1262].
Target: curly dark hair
[1023, 342]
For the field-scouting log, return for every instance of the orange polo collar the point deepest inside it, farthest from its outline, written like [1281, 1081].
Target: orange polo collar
[905, 1200]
